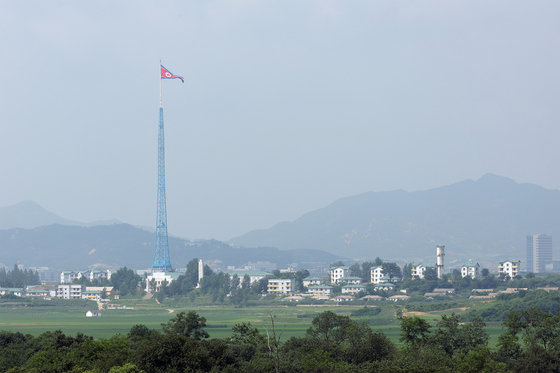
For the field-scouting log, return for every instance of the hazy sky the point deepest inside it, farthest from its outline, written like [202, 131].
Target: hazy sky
[286, 107]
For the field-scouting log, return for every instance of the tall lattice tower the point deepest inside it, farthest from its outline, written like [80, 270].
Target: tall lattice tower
[162, 262]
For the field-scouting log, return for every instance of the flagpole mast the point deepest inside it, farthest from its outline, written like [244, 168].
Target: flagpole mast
[160, 83]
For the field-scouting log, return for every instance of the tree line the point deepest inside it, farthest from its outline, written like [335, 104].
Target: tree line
[333, 343]
[17, 278]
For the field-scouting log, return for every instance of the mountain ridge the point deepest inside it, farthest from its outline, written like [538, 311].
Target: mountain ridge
[113, 246]
[475, 220]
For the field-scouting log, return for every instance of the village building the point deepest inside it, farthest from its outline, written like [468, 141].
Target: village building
[339, 272]
[309, 281]
[471, 269]
[281, 285]
[353, 289]
[320, 289]
[509, 267]
[93, 313]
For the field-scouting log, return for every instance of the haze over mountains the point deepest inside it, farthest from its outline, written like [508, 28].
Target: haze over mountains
[29, 214]
[483, 220]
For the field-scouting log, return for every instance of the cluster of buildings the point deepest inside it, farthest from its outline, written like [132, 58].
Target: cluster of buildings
[68, 277]
[64, 291]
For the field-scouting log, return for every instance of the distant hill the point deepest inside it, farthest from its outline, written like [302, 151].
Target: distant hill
[484, 220]
[117, 245]
[29, 214]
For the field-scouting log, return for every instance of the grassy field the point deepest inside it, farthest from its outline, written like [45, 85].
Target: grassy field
[293, 320]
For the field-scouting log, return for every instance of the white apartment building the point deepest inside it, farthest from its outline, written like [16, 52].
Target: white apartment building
[281, 285]
[509, 267]
[68, 277]
[376, 274]
[471, 269]
[73, 291]
[419, 269]
[339, 272]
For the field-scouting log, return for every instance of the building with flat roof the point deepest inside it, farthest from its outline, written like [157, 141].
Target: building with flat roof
[281, 285]
[539, 252]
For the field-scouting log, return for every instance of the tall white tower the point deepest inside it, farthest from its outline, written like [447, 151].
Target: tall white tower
[439, 264]
[200, 270]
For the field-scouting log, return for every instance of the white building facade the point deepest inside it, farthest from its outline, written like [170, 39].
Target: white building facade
[471, 269]
[281, 285]
[509, 267]
[376, 274]
[339, 272]
[73, 291]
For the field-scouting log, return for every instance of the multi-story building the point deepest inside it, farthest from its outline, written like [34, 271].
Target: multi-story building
[339, 272]
[419, 269]
[68, 277]
[471, 269]
[509, 267]
[539, 252]
[281, 285]
[73, 291]
[376, 274]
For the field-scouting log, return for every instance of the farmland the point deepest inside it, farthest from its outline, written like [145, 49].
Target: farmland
[293, 319]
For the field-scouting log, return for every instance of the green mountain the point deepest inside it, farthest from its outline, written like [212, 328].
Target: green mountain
[484, 220]
[112, 246]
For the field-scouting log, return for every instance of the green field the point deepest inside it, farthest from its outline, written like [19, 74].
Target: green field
[293, 320]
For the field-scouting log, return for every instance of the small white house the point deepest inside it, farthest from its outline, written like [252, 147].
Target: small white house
[93, 313]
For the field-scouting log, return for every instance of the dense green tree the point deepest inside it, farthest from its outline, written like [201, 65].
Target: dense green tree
[125, 280]
[191, 274]
[485, 272]
[430, 274]
[455, 339]
[414, 330]
[355, 270]
[478, 360]
[391, 270]
[339, 263]
[334, 329]
[372, 346]
[366, 271]
[187, 324]
[407, 270]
